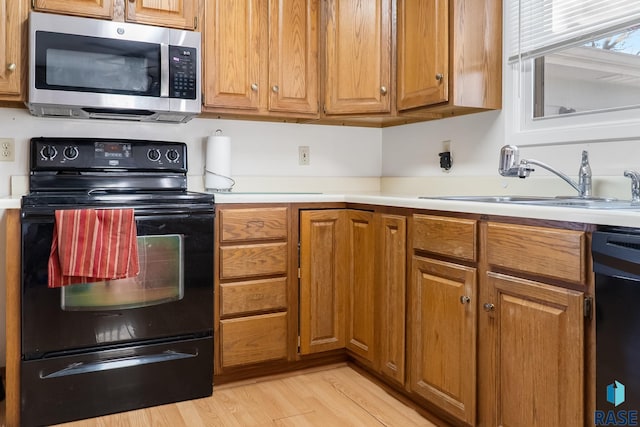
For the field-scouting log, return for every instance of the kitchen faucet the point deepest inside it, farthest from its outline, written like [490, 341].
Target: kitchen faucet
[635, 184]
[511, 166]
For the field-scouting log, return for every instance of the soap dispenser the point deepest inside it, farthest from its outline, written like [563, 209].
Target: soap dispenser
[584, 176]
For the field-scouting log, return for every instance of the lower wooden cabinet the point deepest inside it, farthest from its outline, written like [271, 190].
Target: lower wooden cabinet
[252, 286]
[443, 336]
[474, 328]
[337, 281]
[253, 339]
[391, 290]
[360, 284]
[536, 339]
[323, 272]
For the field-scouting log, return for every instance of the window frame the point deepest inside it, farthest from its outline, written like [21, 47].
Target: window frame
[522, 129]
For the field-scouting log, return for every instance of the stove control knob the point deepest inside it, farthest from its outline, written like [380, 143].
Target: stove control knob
[48, 152]
[172, 155]
[153, 154]
[71, 152]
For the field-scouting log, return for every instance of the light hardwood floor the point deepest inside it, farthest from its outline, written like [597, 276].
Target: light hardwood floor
[338, 396]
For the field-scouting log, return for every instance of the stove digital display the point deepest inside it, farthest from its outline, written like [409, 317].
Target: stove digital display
[112, 150]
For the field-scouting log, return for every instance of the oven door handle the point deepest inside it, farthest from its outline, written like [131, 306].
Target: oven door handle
[125, 362]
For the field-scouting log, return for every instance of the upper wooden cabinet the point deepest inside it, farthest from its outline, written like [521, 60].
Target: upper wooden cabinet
[449, 56]
[261, 57]
[357, 56]
[13, 73]
[89, 8]
[165, 13]
[423, 53]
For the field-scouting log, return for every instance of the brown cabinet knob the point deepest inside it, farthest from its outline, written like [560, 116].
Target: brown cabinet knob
[489, 307]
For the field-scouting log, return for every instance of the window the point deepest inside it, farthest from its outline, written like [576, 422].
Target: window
[575, 65]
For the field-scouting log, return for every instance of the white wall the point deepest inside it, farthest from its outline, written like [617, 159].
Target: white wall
[257, 148]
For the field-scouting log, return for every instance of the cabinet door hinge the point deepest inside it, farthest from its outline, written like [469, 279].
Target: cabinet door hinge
[588, 307]
[298, 343]
[33, 4]
[299, 274]
[195, 22]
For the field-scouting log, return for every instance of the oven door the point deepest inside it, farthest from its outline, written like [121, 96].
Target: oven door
[172, 298]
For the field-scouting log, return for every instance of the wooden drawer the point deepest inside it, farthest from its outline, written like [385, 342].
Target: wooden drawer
[547, 252]
[454, 237]
[253, 224]
[253, 339]
[253, 260]
[251, 296]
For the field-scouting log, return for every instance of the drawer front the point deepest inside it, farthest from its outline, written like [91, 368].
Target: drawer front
[542, 251]
[454, 237]
[253, 339]
[251, 296]
[253, 260]
[253, 224]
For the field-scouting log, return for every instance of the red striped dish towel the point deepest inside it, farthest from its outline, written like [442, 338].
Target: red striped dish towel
[91, 245]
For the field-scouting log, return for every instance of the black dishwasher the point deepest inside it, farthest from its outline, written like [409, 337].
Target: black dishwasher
[616, 263]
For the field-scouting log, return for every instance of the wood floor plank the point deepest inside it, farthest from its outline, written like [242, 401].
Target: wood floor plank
[338, 396]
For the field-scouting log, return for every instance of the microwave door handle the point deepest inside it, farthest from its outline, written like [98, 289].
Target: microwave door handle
[164, 70]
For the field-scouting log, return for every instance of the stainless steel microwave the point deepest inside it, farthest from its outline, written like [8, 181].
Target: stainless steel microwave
[90, 68]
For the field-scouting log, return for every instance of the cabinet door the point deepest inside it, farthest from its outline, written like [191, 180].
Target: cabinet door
[166, 13]
[538, 353]
[357, 56]
[12, 16]
[293, 56]
[323, 272]
[91, 8]
[361, 283]
[391, 298]
[235, 54]
[423, 53]
[443, 334]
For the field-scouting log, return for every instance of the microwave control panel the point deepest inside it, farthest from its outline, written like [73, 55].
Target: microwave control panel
[183, 72]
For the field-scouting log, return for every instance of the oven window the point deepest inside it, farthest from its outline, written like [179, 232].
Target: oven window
[161, 280]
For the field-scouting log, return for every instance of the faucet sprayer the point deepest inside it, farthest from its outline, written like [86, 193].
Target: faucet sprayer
[511, 166]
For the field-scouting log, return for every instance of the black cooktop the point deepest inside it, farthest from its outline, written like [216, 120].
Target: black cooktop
[107, 172]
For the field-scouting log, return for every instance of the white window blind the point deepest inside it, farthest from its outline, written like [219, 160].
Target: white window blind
[539, 27]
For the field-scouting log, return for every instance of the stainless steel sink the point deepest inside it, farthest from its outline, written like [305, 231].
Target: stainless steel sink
[561, 201]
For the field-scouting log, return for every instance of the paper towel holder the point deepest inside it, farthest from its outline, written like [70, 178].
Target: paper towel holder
[230, 180]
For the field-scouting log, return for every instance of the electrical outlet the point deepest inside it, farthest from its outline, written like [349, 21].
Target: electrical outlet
[7, 149]
[446, 160]
[304, 155]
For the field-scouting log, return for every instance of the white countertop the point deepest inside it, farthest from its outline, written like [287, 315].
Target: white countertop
[621, 217]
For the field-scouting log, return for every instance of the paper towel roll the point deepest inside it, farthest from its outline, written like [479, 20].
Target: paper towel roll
[218, 163]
